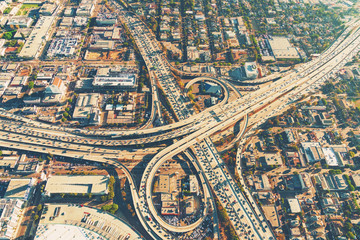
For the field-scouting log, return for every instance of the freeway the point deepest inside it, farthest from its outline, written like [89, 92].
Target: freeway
[244, 214]
[293, 85]
[154, 60]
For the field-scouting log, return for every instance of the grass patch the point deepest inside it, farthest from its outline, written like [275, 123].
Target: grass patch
[28, 6]
[22, 12]
[7, 10]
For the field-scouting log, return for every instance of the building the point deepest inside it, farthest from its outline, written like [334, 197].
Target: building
[313, 152]
[19, 22]
[63, 47]
[27, 166]
[102, 45]
[192, 53]
[293, 158]
[332, 158]
[94, 184]
[20, 188]
[80, 21]
[19, 81]
[69, 12]
[67, 22]
[32, 100]
[11, 161]
[261, 183]
[37, 38]
[294, 205]
[247, 72]
[106, 19]
[85, 10]
[211, 88]
[84, 84]
[289, 136]
[47, 9]
[11, 213]
[163, 184]
[282, 48]
[331, 182]
[3, 6]
[87, 108]
[166, 197]
[55, 92]
[170, 208]
[115, 79]
[74, 222]
[5, 79]
[356, 180]
[193, 184]
[295, 183]
[251, 71]
[190, 205]
[272, 160]
[250, 161]
[340, 183]
[119, 116]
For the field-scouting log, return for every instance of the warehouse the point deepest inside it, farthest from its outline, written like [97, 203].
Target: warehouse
[115, 79]
[37, 37]
[86, 108]
[94, 184]
[282, 48]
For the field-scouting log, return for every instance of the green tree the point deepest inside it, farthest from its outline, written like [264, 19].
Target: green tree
[111, 195]
[31, 84]
[7, 35]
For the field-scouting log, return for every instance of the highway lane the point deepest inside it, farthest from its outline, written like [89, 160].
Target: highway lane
[154, 61]
[105, 132]
[247, 223]
[240, 111]
[287, 87]
[290, 85]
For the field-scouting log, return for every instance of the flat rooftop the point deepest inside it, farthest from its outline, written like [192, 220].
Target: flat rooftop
[282, 48]
[330, 157]
[73, 220]
[86, 105]
[294, 205]
[62, 231]
[18, 188]
[37, 37]
[122, 79]
[163, 183]
[77, 184]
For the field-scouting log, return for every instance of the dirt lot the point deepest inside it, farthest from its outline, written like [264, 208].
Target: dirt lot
[92, 55]
[111, 55]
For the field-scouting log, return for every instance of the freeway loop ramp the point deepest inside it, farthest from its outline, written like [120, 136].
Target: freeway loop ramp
[153, 211]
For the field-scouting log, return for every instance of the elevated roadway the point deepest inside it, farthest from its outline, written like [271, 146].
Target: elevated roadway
[293, 85]
[240, 209]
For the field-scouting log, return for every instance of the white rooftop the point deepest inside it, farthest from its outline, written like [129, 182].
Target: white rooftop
[77, 184]
[282, 48]
[330, 157]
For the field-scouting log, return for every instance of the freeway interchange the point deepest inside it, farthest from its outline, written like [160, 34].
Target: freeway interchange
[192, 133]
